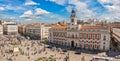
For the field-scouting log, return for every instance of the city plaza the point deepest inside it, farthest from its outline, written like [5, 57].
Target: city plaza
[31, 50]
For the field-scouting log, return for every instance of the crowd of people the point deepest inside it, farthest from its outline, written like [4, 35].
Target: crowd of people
[11, 48]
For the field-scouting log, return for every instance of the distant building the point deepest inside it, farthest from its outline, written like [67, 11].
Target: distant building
[81, 36]
[7, 22]
[97, 22]
[62, 23]
[116, 37]
[115, 24]
[9, 27]
[1, 30]
[37, 31]
[21, 29]
[80, 22]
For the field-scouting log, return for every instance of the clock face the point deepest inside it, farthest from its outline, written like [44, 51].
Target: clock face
[72, 20]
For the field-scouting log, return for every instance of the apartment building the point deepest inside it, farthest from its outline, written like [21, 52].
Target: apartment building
[37, 31]
[9, 27]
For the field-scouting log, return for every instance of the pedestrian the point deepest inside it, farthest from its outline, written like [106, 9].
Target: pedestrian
[83, 59]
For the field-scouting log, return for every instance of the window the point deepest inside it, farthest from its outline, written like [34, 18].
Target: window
[72, 35]
[104, 38]
[104, 43]
[98, 36]
[76, 27]
[76, 44]
[84, 36]
[89, 36]
[80, 36]
[76, 36]
[103, 47]
[93, 36]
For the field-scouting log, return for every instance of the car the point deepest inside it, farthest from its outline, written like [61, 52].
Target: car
[59, 49]
[49, 46]
[62, 53]
[117, 57]
[77, 52]
[64, 50]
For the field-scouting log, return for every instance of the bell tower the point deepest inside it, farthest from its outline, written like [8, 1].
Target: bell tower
[73, 18]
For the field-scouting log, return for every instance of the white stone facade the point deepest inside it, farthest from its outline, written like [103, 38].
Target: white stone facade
[37, 32]
[10, 29]
[81, 36]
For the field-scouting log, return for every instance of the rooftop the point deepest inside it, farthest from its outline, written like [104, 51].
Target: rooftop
[93, 27]
[59, 26]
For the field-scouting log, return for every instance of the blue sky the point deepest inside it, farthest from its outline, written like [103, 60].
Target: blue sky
[51, 11]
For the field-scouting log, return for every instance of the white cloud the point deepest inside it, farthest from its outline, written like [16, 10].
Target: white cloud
[28, 19]
[39, 11]
[60, 2]
[53, 0]
[27, 14]
[34, 14]
[105, 1]
[113, 7]
[19, 8]
[69, 8]
[30, 2]
[81, 8]
[1, 8]
[12, 17]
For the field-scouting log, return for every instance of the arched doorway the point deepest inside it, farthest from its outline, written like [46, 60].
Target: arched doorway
[72, 43]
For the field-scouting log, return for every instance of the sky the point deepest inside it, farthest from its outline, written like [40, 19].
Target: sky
[51, 11]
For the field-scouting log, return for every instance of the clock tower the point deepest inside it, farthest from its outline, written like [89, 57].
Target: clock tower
[73, 18]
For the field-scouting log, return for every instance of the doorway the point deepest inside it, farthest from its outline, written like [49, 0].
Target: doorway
[72, 43]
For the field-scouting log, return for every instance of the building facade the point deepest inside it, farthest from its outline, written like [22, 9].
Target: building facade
[115, 24]
[81, 36]
[21, 29]
[10, 29]
[116, 37]
[37, 31]
[1, 30]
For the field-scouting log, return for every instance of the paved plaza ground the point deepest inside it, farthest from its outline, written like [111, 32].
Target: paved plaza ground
[31, 50]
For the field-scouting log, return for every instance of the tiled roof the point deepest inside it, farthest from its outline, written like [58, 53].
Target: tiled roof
[59, 26]
[35, 24]
[93, 27]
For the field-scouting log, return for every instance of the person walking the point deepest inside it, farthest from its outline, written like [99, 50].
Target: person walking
[83, 59]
